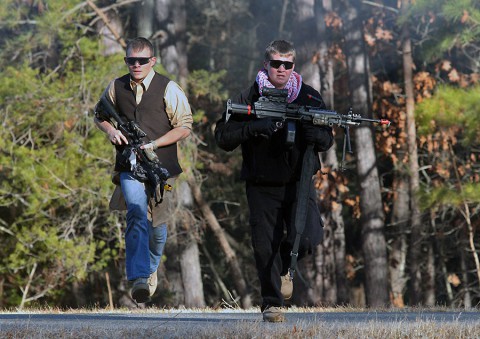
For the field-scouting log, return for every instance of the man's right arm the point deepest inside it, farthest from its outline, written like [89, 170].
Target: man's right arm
[229, 135]
[114, 135]
[238, 129]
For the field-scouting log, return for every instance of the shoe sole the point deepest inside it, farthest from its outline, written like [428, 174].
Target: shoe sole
[141, 295]
[275, 319]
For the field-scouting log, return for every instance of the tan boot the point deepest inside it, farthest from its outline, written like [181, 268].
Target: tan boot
[273, 314]
[152, 283]
[287, 286]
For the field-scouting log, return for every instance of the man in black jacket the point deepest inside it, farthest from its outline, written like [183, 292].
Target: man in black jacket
[272, 169]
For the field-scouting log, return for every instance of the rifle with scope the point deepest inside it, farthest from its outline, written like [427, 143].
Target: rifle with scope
[273, 104]
[147, 168]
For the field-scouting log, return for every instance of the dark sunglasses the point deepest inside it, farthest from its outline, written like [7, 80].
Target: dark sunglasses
[278, 63]
[132, 61]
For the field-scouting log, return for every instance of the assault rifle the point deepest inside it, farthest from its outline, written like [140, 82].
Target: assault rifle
[273, 104]
[146, 167]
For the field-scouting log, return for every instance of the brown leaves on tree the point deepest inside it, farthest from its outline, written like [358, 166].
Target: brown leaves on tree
[424, 85]
[332, 20]
[465, 17]
[383, 34]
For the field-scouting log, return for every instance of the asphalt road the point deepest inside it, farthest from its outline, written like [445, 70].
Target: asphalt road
[184, 324]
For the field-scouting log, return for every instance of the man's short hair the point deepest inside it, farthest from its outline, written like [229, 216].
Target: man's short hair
[139, 44]
[282, 47]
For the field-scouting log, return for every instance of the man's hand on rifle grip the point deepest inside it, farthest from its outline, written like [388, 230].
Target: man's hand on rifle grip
[315, 135]
[150, 146]
[263, 126]
[116, 137]
[149, 150]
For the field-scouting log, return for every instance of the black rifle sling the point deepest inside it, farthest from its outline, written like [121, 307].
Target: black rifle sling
[302, 203]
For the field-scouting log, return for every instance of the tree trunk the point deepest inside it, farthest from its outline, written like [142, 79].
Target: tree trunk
[230, 256]
[329, 271]
[190, 257]
[340, 253]
[145, 18]
[317, 71]
[2, 297]
[317, 277]
[192, 275]
[330, 160]
[170, 41]
[171, 270]
[467, 296]
[307, 46]
[442, 259]
[398, 247]
[79, 294]
[326, 189]
[429, 291]
[372, 219]
[415, 225]
[172, 18]
[181, 270]
[305, 290]
[111, 30]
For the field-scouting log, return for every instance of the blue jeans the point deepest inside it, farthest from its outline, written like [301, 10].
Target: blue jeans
[144, 243]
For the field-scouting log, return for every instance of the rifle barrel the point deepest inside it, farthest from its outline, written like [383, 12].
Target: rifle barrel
[238, 108]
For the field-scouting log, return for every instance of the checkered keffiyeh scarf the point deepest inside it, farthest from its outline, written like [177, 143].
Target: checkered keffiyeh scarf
[293, 85]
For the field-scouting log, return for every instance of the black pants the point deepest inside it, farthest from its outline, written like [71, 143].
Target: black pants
[272, 221]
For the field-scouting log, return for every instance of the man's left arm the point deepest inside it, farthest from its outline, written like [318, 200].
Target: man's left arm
[179, 113]
[320, 136]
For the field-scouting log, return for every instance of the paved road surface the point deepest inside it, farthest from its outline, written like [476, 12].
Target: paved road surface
[177, 324]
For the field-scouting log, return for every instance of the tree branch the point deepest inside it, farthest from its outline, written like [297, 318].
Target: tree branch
[27, 287]
[107, 23]
[371, 3]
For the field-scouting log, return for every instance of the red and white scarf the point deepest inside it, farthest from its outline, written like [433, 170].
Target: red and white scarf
[293, 85]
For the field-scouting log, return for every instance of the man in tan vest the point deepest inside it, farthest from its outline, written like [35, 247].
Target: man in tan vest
[160, 108]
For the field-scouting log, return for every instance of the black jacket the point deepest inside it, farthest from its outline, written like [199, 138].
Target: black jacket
[269, 161]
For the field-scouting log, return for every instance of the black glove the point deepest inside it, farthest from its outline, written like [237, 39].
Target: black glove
[262, 126]
[317, 135]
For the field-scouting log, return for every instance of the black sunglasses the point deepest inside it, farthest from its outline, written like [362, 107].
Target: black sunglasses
[278, 63]
[132, 60]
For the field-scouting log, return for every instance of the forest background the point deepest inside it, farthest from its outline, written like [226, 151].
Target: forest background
[400, 222]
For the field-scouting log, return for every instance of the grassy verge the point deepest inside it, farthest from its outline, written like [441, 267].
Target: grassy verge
[151, 324]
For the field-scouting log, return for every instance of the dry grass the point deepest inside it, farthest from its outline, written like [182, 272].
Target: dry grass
[264, 331]
[156, 325]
